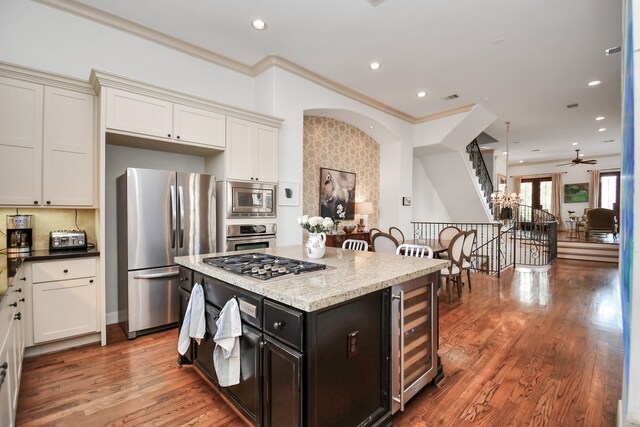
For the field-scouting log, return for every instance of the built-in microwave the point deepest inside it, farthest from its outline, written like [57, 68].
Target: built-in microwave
[251, 199]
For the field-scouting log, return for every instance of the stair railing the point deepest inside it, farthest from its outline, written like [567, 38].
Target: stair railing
[473, 149]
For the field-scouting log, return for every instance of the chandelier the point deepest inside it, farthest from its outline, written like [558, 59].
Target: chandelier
[503, 202]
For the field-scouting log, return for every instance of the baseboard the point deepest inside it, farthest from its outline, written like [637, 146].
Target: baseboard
[55, 346]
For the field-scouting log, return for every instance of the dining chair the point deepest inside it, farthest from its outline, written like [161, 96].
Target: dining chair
[384, 242]
[453, 273]
[373, 231]
[397, 234]
[355, 245]
[445, 235]
[467, 249]
[407, 249]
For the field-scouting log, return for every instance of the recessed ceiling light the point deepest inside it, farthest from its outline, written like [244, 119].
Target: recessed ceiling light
[594, 83]
[600, 118]
[374, 65]
[602, 129]
[521, 161]
[370, 127]
[504, 153]
[259, 24]
[422, 94]
[575, 143]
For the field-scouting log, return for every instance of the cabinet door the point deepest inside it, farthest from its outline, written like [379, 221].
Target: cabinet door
[6, 386]
[240, 154]
[140, 114]
[282, 382]
[20, 142]
[198, 126]
[64, 309]
[68, 148]
[266, 153]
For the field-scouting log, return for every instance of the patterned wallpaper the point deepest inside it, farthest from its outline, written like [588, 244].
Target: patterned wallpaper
[334, 144]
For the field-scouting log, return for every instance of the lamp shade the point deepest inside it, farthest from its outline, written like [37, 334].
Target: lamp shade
[364, 208]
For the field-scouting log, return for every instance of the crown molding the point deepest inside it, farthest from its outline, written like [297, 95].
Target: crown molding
[19, 72]
[131, 27]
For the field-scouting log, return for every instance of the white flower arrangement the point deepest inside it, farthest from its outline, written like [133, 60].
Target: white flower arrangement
[315, 224]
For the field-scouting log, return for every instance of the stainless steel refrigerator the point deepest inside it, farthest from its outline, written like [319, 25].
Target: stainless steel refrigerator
[161, 215]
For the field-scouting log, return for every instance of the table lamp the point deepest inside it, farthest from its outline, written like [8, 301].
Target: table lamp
[364, 209]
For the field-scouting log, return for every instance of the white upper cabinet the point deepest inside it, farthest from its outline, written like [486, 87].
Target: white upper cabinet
[47, 135]
[148, 116]
[252, 151]
[68, 148]
[21, 114]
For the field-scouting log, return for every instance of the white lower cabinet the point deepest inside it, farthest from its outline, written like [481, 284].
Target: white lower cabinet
[64, 299]
[11, 354]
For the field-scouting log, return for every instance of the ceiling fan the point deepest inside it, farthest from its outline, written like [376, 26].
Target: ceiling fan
[578, 160]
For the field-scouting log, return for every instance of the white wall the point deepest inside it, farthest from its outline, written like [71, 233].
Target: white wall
[573, 175]
[427, 205]
[118, 159]
[46, 38]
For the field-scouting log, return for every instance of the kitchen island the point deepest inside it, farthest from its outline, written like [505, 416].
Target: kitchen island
[316, 347]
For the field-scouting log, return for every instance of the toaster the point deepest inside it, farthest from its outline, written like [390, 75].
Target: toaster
[65, 239]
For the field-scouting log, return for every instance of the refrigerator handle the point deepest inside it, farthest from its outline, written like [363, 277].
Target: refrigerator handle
[181, 208]
[173, 217]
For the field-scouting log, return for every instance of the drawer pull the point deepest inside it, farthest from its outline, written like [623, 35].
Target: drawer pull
[23, 278]
[21, 300]
[65, 271]
[5, 365]
[3, 374]
[278, 326]
[19, 289]
[90, 280]
[14, 304]
[17, 316]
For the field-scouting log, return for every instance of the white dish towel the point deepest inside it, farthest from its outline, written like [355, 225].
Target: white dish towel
[193, 324]
[226, 355]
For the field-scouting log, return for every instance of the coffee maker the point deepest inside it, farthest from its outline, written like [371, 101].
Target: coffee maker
[19, 233]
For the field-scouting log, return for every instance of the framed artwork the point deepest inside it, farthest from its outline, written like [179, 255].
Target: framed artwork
[576, 193]
[337, 194]
[502, 182]
[288, 193]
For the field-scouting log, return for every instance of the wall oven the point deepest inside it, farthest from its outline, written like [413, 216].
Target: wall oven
[250, 236]
[250, 199]
[414, 332]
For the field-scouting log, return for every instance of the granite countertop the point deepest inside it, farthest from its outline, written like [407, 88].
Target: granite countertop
[9, 264]
[349, 274]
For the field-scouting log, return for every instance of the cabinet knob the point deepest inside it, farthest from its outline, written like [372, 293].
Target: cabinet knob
[65, 271]
[17, 316]
[278, 326]
[35, 202]
[169, 135]
[19, 289]
[48, 202]
[13, 304]
[90, 280]
[178, 137]
[21, 300]
[3, 374]
[23, 279]
[5, 365]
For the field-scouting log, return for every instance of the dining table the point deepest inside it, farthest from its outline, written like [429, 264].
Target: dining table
[438, 246]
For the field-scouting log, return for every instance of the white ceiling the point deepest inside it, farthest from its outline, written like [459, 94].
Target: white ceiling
[524, 60]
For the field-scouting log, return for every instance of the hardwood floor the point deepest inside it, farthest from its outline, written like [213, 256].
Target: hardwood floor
[531, 348]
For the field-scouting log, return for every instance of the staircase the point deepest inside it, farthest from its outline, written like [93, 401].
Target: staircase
[587, 251]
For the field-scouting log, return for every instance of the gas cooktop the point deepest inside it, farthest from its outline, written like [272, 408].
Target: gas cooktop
[262, 266]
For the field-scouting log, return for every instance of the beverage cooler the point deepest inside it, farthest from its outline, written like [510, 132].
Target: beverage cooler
[414, 332]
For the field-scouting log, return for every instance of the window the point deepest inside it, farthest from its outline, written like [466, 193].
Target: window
[536, 192]
[609, 190]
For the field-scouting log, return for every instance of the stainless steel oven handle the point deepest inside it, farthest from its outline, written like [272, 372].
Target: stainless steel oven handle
[181, 209]
[252, 238]
[156, 275]
[173, 217]
[400, 399]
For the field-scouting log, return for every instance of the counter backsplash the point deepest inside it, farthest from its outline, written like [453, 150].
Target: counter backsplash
[46, 220]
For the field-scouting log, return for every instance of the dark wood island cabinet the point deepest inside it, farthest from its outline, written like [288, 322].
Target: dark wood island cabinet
[306, 360]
